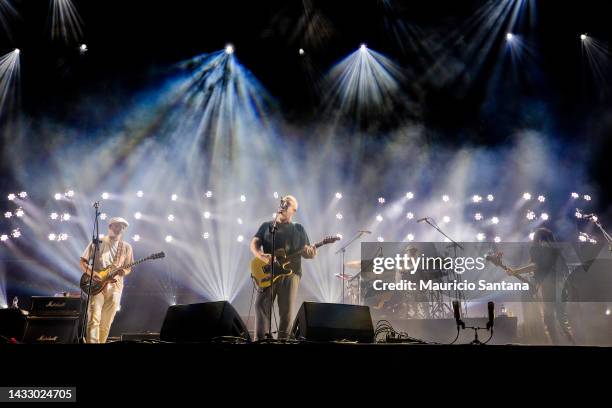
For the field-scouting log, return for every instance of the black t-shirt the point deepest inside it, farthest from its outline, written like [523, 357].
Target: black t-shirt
[290, 236]
[548, 261]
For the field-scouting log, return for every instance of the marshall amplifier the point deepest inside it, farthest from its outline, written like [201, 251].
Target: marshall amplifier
[51, 329]
[55, 306]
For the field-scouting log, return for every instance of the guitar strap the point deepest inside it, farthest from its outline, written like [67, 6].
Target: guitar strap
[119, 251]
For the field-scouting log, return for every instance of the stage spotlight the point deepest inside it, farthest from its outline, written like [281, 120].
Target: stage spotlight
[509, 36]
[83, 48]
[205, 235]
[229, 49]
[4, 237]
[53, 216]
[480, 236]
[531, 235]
[544, 216]
[139, 194]
[239, 221]
[446, 219]
[497, 240]
[57, 196]
[379, 218]
[52, 237]
[410, 215]
[339, 235]
[174, 197]
[575, 195]
[526, 196]
[380, 239]
[339, 216]
[8, 214]
[490, 197]
[607, 312]
[103, 216]
[206, 214]
[69, 193]
[171, 217]
[594, 218]
[338, 195]
[578, 214]
[445, 198]
[478, 216]
[587, 197]
[105, 196]
[381, 200]
[363, 47]
[410, 237]
[243, 198]
[23, 194]
[301, 51]
[168, 238]
[593, 241]
[530, 215]
[11, 197]
[476, 198]
[208, 194]
[495, 220]
[17, 51]
[582, 238]
[541, 198]
[65, 217]
[275, 195]
[136, 238]
[409, 195]
[16, 233]
[19, 213]
[583, 37]
[240, 238]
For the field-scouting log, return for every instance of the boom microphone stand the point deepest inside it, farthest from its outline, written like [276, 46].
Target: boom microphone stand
[454, 244]
[90, 269]
[273, 229]
[343, 252]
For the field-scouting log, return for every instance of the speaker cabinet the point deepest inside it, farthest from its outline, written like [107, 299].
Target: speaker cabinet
[333, 322]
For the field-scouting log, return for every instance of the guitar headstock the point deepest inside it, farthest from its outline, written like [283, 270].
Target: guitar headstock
[157, 255]
[330, 239]
[495, 257]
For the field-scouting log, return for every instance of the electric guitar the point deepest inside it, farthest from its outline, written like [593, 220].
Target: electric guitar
[261, 272]
[108, 274]
[496, 259]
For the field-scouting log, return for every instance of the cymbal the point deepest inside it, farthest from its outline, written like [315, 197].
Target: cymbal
[353, 264]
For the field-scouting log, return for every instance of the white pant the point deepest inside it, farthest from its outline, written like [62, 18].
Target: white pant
[102, 309]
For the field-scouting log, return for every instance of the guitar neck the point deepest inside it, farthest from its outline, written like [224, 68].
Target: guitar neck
[116, 270]
[301, 251]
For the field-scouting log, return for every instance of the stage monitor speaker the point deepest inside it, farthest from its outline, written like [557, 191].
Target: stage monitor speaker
[12, 324]
[202, 322]
[51, 330]
[333, 322]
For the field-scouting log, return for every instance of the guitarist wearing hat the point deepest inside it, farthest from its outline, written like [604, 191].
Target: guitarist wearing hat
[103, 306]
[290, 237]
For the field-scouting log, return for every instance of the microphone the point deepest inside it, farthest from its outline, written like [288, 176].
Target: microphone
[96, 204]
[491, 307]
[589, 216]
[422, 219]
[457, 314]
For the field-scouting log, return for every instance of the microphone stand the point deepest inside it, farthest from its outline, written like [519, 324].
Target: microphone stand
[90, 269]
[273, 229]
[454, 244]
[607, 236]
[343, 252]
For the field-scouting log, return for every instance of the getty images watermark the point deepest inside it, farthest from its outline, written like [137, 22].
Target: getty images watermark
[505, 271]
